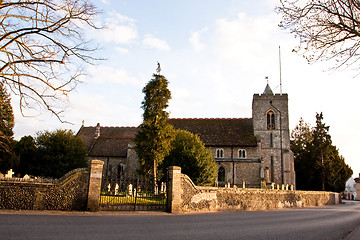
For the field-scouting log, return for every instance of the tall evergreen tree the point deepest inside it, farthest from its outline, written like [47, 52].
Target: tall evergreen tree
[320, 145]
[7, 158]
[153, 141]
[318, 164]
[301, 138]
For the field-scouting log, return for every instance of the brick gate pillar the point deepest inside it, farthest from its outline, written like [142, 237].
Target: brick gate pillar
[96, 169]
[174, 190]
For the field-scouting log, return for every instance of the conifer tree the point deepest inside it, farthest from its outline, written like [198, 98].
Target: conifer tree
[321, 144]
[153, 141]
[318, 164]
[7, 158]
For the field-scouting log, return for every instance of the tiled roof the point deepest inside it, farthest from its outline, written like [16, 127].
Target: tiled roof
[113, 141]
[219, 131]
[87, 133]
[110, 147]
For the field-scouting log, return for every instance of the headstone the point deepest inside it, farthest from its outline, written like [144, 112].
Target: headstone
[244, 184]
[26, 176]
[109, 188]
[116, 189]
[287, 187]
[282, 187]
[267, 175]
[129, 190]
[272, 186]
[262, 173]
[292, 187]
[1, 175]
[156, 189]
[9, 174]
[163, 187]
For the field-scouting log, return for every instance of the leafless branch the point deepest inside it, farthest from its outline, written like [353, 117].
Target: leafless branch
[42, 50]
[327, 29]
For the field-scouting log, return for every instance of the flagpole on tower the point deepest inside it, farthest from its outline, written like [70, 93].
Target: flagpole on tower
[280, 71]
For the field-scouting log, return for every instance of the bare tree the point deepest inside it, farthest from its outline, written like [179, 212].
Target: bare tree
[328, 29]
[43, 50]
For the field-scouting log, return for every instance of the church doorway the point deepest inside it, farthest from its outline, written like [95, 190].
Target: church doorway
[221, 176]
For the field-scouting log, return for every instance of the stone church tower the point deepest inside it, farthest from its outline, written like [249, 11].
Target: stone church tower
[271, 128]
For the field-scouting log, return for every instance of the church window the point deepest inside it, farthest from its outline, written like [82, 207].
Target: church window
[221, 174]
[242, 153]
[272, 168]
[110, 171]
[120, 171]
[271, 140]
[220, 153]
[270, 120]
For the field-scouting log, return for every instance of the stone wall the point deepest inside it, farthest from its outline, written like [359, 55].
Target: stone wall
[67, 193]
[208, 199]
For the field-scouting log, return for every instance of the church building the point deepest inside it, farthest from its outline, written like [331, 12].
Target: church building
[247, 151]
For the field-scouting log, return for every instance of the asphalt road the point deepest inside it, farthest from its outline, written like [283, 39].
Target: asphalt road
[332, 222]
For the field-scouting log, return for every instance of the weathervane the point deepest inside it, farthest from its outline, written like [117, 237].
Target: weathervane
[158, 68]
[267, 79]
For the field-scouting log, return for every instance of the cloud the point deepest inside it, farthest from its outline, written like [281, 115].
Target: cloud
[195, 40]
[245, 37]
[107, 74]
[119, 29]
[153, 42]
[121, 50]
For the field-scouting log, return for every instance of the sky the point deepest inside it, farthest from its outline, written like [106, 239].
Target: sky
[215, 55]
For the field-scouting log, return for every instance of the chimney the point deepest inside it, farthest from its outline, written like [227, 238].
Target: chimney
[97, 131]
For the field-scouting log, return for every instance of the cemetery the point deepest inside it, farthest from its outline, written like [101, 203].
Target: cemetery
[131, 196]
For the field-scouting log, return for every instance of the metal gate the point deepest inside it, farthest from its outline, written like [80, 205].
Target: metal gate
[133, 193]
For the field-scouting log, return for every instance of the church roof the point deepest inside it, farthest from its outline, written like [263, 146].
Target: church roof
[219, 131]
[268, 90]
[87, 134]
[113, 141]
[110, 147]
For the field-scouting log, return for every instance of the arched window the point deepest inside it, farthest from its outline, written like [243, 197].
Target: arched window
[110, 171]
[220, 153]
[242, 153]
[120, 171]
[221, 174]
[270, 117]
[272, 168]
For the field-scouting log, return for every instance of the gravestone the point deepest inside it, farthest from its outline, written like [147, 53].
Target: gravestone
[129, 190]
[116, 189]
[9, 174]
[109, 188]
[163, 187]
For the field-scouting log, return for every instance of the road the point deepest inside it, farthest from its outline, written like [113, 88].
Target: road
[331, 222]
